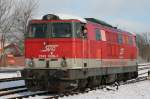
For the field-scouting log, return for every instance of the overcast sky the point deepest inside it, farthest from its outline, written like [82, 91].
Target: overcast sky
[129, 15]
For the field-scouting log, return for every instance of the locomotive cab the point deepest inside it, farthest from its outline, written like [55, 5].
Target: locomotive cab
[57, 42]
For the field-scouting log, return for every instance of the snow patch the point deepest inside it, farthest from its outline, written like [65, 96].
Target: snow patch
[138, 90]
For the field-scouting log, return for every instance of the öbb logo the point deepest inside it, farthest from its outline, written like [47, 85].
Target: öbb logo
[50, 48]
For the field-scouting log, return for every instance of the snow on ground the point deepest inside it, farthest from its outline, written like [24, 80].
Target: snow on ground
[11, 84]
[20, 94]
[143, 72]
[144, 64]
[140, 90]
[10, 75]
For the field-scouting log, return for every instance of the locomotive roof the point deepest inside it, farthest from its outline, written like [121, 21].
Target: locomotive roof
[85, 20]
[67, 16]
[99, 22]
[103, 23]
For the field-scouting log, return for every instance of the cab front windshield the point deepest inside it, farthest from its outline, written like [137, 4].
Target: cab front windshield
[52, 30]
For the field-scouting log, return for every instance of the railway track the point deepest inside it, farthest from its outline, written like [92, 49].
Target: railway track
[22, 89]
[30, 94]
[7, 92]
[56, 96]
[10, 88]
[11, 79]
[143, 68]
[12, 91]
[143, 78]
[135, 80]
[112, 88]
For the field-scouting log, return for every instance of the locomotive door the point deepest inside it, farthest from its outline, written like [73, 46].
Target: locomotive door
[84, 52]
[85, 49]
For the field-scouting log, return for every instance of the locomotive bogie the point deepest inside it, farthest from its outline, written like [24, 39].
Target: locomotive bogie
[48, 79]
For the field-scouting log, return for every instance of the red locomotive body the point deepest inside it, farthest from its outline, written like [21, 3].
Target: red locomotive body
[84, 52]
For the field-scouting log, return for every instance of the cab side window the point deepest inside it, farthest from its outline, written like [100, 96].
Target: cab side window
[130, 40]
[78, 30]
[81, 31]
[97, 34]
[120, 39]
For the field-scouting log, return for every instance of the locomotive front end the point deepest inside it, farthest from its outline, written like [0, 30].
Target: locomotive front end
[49, 53]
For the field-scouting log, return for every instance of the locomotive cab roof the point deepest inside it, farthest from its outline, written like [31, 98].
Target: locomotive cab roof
[63, 17]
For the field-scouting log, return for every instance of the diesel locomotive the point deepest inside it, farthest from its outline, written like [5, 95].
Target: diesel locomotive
[65, 52]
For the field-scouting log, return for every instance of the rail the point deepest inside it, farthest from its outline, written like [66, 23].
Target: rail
[143, 69]
[11, 79]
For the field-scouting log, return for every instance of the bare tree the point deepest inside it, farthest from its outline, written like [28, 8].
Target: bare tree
[6, 8]
[143, 46]
[14, 16]
[6, 17]
[25, 11]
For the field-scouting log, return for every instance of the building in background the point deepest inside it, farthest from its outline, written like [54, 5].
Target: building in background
[13, 55]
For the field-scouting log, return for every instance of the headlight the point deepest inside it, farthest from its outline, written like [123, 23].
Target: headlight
[63, 62]
[29, 63]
